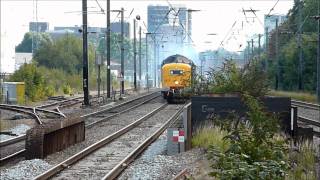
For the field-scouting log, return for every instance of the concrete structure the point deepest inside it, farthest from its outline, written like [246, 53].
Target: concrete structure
[38, 26]
[22, 58]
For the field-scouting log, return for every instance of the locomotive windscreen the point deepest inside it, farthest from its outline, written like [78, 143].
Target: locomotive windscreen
[177, 59]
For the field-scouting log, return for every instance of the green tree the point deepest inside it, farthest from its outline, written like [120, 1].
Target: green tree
[32, 40]
[289, 51]
[64, 53]
[34, 81]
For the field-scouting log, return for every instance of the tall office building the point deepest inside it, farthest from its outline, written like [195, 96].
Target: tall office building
[157, 16]
[38, 26]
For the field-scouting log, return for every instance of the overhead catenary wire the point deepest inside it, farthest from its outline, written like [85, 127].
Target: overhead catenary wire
[273, 8]
[101, 9]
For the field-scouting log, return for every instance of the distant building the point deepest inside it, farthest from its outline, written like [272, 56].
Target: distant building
[22, 58]
[270, 22]
[38, 26]
[56, 34]
[157, 16]
[92, 31]
[116, 28]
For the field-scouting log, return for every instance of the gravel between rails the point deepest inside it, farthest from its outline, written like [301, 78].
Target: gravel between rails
[309, 113]
[97, 164]
[95, 118]
[92, 135]
[104, 129]
[154, 163]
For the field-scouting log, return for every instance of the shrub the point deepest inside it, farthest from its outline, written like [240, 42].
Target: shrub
[229, 79]
[253, 153]
[67, 89]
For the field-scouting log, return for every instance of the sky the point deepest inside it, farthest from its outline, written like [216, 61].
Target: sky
[222, 17]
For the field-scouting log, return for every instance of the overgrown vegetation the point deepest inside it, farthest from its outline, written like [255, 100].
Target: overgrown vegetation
[211, 135]
[57, 66]
[303, 162]
[256, 149]
[301, 96]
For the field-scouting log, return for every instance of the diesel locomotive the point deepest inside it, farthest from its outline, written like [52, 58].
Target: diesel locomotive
[176, 72]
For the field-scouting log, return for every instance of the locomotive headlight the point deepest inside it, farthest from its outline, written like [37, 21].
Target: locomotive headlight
[176, 82]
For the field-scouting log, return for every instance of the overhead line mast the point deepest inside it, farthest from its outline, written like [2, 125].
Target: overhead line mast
[85, 72]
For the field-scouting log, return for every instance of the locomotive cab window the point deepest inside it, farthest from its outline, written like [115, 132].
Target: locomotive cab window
[176, 72]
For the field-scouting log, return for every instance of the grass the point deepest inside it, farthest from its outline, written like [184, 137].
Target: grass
[303, 162]
[210, 135]
[301, 96]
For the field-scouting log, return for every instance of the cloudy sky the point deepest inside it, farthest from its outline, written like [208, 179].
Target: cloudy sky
[224, 17]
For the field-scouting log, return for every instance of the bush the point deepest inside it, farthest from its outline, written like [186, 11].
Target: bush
[67, 89]
[34, 81]
[229, 79]
[254, 152]
[49, 90]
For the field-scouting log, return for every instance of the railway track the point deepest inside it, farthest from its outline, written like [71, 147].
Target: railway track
[307, 120]
[91, 120]
[103, 159]
[32, 111]
[306, 105]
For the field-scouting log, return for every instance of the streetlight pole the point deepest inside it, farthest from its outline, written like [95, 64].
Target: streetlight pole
[85, 73]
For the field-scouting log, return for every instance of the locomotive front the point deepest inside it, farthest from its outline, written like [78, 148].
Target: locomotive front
[176, 75]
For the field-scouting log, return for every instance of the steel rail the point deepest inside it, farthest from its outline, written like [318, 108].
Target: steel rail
[115, 172]
[121, 112]
[13, 155]
[85, 152]
[12, 140]
[23, 137]
[124, 103]
[21, 110]
[309, 121]
[58, 102]
[16, 108]
[305, 105]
